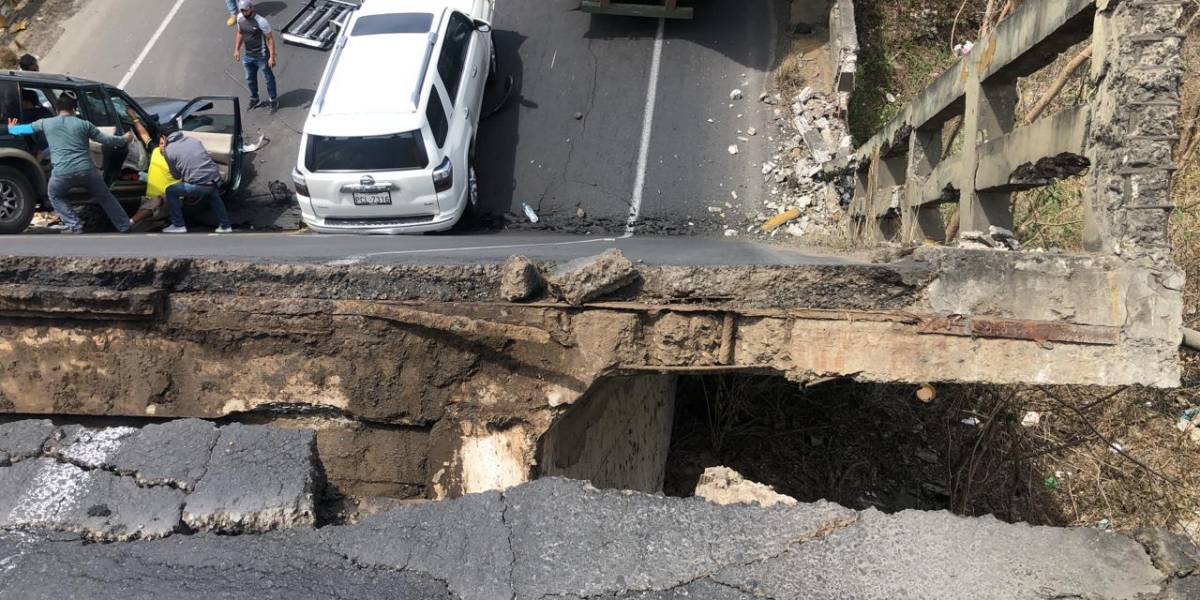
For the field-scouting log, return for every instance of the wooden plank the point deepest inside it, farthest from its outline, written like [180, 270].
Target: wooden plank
[666, 11]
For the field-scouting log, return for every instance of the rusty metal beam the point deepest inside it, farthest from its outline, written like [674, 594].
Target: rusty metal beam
[1018, 329]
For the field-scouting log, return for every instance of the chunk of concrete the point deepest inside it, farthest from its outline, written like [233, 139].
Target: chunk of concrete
[588, 278]
[569, 537]
[24, 439]
[258, 478]
[88, 448]
[174, 453]
[46, 494]
[722, 485]
[519, 279]
[958, 557]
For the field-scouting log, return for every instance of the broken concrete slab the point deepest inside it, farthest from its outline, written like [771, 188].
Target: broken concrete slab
[632, 541]
[465, 543]
[519, 279]
[586, 279]
[174, 453]
[563, 539]
[981, 558]
[24, 439]
[722, 485]
[258, 478]
[86, 447]
[277, 566]
[98, 505]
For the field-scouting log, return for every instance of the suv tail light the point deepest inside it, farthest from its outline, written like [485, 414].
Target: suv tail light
[299, 182]
[443, 175]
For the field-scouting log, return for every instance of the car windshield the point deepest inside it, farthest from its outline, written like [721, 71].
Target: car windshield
[377, 153]
[393, 23]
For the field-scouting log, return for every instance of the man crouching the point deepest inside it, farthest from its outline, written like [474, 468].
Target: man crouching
[197, 175]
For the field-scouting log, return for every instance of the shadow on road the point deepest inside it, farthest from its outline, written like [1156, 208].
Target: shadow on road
[498, 135]
[270, 8]
[298, 98]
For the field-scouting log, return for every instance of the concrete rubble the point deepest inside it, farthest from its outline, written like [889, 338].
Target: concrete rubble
[556, 538]
[806, 171]
[722, 485]
[519, 279]
[122, 483]
[588, 278]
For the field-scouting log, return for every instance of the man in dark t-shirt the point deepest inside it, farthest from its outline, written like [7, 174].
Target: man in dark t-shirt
[255, 35]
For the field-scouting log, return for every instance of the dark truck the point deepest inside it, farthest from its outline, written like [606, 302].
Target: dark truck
[25, 168]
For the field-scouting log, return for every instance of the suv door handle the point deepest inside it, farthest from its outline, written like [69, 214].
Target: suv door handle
[467, 110]
[474, 72]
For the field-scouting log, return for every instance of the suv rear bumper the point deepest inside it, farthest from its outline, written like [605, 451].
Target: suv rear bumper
[377, 225]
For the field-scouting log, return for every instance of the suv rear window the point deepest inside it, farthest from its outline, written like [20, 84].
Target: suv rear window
[377, 153]
[393, 23]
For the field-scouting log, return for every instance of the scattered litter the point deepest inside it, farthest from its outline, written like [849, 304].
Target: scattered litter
[970, 421]
[743, 139]
[768, 167]
[964, 48]
[529, 213]
[1031, 419]
[779, 219]
[736, 94]
[733, 149]
[1116, 447]
[926, 393]
[1104, 525]
[715, 209]
[579, 212]
[752, 131]
[891, 98]
[711, 121]
[733, 194]
[730, 233]
[578, 116]
[1052, 483]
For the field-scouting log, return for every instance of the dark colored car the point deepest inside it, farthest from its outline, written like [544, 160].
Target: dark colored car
[24, 163]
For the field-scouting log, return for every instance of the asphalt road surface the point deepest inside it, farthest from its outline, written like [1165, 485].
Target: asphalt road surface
[642, 150]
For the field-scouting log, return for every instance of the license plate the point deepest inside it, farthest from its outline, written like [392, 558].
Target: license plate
[372, 198]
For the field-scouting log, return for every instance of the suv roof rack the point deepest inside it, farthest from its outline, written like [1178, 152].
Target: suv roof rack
[318, 22]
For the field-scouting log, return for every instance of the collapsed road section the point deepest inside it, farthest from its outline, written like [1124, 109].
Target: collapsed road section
[434, 381]
[563, 539]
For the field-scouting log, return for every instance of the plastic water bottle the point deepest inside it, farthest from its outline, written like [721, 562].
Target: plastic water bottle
[529, 214]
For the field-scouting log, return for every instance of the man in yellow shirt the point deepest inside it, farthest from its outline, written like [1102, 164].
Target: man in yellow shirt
[158, 176]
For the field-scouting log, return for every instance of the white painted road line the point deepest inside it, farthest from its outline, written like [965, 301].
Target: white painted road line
[639, 182]
[150, 45]
[357, 258]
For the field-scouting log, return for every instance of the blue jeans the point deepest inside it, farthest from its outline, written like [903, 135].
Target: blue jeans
[60, 186]
[253, 64]
[232, 6]
[177, 192]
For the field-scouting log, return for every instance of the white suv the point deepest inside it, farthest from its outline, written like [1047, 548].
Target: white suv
[389, 143]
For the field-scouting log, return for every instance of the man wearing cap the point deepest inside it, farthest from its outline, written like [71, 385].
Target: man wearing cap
[254, 32]
[198, 177]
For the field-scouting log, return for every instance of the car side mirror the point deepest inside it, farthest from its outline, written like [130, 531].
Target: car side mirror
[482, 26]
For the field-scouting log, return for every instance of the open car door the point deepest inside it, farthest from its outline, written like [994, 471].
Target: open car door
[216, 121]
[95, 106]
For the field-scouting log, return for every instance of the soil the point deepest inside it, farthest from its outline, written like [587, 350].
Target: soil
[973, 450]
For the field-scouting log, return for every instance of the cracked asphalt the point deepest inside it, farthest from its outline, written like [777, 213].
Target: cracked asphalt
[561, 539]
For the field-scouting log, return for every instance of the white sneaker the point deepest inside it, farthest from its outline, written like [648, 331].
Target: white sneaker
[174, 229]
[224, 230]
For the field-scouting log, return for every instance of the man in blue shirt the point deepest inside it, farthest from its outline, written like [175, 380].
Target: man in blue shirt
[68, 137]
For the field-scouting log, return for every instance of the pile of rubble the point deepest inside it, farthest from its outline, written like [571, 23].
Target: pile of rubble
[808, 194]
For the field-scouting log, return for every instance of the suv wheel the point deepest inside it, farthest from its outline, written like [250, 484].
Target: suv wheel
[17, 201]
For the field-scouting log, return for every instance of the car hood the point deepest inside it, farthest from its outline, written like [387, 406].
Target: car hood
[163, 108]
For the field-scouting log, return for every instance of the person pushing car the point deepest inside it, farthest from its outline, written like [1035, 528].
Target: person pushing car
[68, 137]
